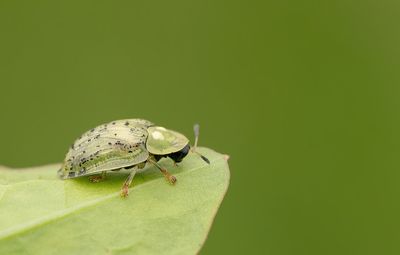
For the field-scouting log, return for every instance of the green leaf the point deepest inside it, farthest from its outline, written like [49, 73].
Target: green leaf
[40, 214]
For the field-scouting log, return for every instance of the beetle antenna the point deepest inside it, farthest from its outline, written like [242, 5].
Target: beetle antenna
[196, 129]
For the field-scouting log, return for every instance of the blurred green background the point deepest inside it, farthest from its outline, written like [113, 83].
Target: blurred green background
[304, 96]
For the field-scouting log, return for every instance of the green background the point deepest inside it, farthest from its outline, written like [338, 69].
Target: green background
[304, 96]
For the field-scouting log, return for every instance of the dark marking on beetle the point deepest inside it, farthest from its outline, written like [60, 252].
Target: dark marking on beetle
[83, 151]
[73, 146]
[92, 130]
[97, 136]
[98, 146]
[71, 174]
[127, 123]
[120, 144]
[89, 140]
[115, 134]
[113, 123]
[109, 143]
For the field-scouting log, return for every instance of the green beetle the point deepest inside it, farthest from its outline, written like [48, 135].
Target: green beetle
[129, 144]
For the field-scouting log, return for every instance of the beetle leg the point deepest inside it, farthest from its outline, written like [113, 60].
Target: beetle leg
[168, 176]
[97, 178]
[127, 183]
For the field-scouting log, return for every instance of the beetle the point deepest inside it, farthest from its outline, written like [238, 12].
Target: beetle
[125, 144]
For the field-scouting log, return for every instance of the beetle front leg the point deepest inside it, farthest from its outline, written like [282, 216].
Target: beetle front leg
[127, 183]
[168, 176]
[98, 178]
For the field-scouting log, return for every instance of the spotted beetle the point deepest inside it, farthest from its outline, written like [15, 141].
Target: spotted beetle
[129, 144]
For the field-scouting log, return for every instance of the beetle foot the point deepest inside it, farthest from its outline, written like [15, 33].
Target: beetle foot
[124, 191]
[172, 179]
[96, 178]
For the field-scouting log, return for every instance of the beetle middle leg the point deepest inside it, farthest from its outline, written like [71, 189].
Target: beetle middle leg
[98, 178]
[168, 176]
[127, 183]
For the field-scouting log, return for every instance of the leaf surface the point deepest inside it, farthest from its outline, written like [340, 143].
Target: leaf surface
[40, 214]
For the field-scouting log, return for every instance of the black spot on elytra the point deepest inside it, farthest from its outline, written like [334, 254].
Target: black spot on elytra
[115, 134]
[119, 143]
[109, 143]
[71, 174]
[127, 123]
[92, 130]
[113, 123]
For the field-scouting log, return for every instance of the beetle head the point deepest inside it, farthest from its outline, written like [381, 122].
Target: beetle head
[179, 155]
[162, 142]
[166, 142]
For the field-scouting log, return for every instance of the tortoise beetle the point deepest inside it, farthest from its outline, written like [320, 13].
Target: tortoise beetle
[129, 144]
